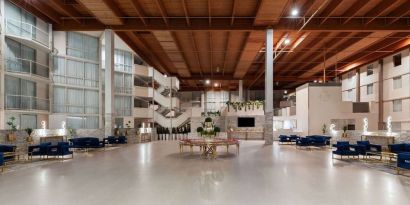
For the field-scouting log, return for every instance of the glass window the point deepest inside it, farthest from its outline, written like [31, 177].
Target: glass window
[370, 89]
[75, 72]
[396, 105]
[370, 69]
[82, 46]
[350, 94]
[397, 82]
[397, 59]
[123, 105]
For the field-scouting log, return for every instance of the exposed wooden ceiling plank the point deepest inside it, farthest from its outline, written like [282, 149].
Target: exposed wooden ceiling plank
[349, 51]
[330, 25]
[233, 11]
[377, 10]
[45, 9]
[67, 9]
[398, 13]
[162, 10]
[328, 10]
[352, 11]
[188, 23]
[139, 10]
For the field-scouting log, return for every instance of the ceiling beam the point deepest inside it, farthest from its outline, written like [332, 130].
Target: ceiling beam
[233, 11]
[188, 23]
[29, 8]
[332, 24]
[352, 11]
[67, 9]
[140, 12]
[105, 11]
[45, 9]
[252, 46]
[378, 10]
[348, 51]
[226, 77]
[198, 60]
[162, 10]
[398, 13]
[329, 10]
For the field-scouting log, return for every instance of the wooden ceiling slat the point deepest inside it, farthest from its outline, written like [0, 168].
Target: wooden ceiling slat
[139, 10]
[67, 9]
[352, 11]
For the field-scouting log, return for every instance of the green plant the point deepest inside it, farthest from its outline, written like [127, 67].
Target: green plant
[217, 129]
[29, 131]
[344, 129]
[12, 124]
[324, 128]
[208, 119]
[199, 129]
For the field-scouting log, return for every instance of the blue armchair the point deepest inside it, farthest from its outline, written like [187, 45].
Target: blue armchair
[40, 150]
[86, 143]
[7, 148]
[2, 161]
[318, 140]
[122, 140]
[343, 148]
[61, 149]
[303, 142]
[403, 161]
[399, 148]
[365, 148]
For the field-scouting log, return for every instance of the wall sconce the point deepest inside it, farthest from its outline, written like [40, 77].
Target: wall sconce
[389, 125]
[365, 125]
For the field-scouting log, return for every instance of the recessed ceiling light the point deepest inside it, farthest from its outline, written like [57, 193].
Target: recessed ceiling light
[294, 12]
[207, 81]
[165, 75]
[285, 91]
[315, 81]
[287, 41]
[216, 84]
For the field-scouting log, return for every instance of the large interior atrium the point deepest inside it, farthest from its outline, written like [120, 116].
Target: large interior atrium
[205, 102]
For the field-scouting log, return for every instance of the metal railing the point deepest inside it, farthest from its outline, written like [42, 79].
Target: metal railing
[28, 31]
[123, 67]
[124, 90]
[71, 80]
[19, 65]
[22, 102]
[75, 109]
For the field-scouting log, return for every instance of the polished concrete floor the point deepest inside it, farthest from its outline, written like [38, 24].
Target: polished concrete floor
[154, 173]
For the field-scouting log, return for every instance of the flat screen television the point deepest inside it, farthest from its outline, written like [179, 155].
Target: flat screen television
[246, 122]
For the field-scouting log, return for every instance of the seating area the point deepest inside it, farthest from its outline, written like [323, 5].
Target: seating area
[305, 142]
[57, 150]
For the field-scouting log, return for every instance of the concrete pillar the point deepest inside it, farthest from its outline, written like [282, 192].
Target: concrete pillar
[358, 85]
[240, 90]
[268, 127]
[109, 81]
[381, 110]
[2, 70]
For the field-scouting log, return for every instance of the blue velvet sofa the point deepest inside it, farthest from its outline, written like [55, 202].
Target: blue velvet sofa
[40, 150]
[60, 150]
[365, 148]
[399, 148]
[2, 161]
[343, 148]
[116, 140]
[288, 139]
[403, 161]
[313, 140]
[86, 143]
[7, 148]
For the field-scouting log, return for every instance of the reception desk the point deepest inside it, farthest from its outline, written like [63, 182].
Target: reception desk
[383, 140]
[246, 134]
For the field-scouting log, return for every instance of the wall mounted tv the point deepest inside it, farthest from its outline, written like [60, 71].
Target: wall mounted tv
[246, 122]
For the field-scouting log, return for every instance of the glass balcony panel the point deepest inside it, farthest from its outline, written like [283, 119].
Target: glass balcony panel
[19, 65]
[21, 102]
[27, 31]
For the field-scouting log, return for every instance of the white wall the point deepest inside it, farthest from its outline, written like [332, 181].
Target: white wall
[302, 109]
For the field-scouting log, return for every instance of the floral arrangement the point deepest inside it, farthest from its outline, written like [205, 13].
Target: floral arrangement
[248, 105]
[208, 129]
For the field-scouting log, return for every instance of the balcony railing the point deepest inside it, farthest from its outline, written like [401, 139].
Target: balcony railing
[75, 109]
[123, 68]
[19, 65]
[21, 102]
[27, 31]
[78, 81]
[123, 90]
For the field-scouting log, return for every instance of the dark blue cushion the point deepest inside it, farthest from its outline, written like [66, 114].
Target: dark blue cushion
[396, 148]
[406, 147]
[403, 160]
[1, 159]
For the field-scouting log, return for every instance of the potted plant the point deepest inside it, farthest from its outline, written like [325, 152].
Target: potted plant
[128, 125]
[199, 130]
[11, 137]
[217, 130]
[324, 129]
[344, 134]
[29, 130]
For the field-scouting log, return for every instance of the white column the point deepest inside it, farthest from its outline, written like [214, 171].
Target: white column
[109, 81]
[241, 91]
[2, 70]
[268, 127]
